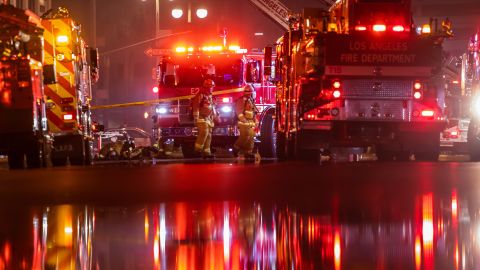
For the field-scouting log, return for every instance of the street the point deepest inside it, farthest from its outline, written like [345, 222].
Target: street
[194, 201]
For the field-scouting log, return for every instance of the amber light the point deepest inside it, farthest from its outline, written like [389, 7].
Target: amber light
[227, 100]
[336, 84]
[417, 86]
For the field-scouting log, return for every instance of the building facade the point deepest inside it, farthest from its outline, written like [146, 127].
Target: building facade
[37, 6]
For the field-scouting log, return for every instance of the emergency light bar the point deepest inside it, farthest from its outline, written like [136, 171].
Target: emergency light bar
[216, 48]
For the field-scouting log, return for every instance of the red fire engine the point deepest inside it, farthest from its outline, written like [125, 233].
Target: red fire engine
[23, 125]
[180, 75]
[71, 67]
[360, 75]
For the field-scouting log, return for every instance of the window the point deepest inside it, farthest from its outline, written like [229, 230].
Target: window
[31, 5]
[222, 72]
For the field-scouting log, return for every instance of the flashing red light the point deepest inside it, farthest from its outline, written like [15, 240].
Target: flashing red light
[6, 97]
[379, 27]
[398, 28]
[310, 116]
[417, 86]
[455, 82]
[337, 93]
[336, 84]
[155, 89]
[226, 100]
[68, 116]
[428, 113]
[360, 28]
[454, 133]
[417, 95]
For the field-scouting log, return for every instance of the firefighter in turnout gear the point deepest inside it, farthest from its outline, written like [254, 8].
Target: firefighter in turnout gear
[246, 110]
[204, 114]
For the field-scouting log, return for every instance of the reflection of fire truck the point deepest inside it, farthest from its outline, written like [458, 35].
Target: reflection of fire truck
[181, 74]
[360, 75]
[23, 127]
[471, 82]
[70, 68]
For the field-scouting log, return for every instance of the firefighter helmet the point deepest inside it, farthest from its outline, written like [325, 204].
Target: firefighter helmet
[248, 89]
[208, 83]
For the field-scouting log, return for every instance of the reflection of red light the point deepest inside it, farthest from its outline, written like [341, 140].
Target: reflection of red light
[7, 252]
[457, 255]
[337, 250]
[427, 230]
[147, 225]
[156, 253]
[418, 253]
[454, 208]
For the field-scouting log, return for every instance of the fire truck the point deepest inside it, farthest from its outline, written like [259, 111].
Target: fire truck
[359, 74]
[70, 69]
[471, 89]
[23, 125]
[180, 76]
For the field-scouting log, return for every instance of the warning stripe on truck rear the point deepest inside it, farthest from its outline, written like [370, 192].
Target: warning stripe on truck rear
[64, 88]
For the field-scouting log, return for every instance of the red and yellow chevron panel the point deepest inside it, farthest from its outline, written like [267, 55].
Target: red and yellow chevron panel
[59, 38]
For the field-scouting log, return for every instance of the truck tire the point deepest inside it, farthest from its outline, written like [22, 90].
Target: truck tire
[188, 150]
[430, 148]
[88, 152]
[280, 146]
[15, 160]
[473, 139]
[35, 155]
[268, 137]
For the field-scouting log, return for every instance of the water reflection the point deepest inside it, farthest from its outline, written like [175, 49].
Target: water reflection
[439, 232]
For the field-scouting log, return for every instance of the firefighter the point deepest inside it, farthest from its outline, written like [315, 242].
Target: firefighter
[245, 109]
[204, 115]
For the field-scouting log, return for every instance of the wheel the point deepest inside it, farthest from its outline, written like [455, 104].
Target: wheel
[429, 150]
[473, 139]
[15, 160]
[268, 137]
[56, 162]
[188, 150]
[383, 153]
[280, 147]
[88, 152]
[35, 155]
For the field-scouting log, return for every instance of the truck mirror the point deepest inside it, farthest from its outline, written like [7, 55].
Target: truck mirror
[93, 60]
[49, 74]
[267, 66]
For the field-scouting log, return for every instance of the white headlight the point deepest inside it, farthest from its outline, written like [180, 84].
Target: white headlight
[161, 110]
[226, 109]
[476, 106]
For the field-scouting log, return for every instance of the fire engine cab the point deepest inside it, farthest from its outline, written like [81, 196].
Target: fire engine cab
[180, 76]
